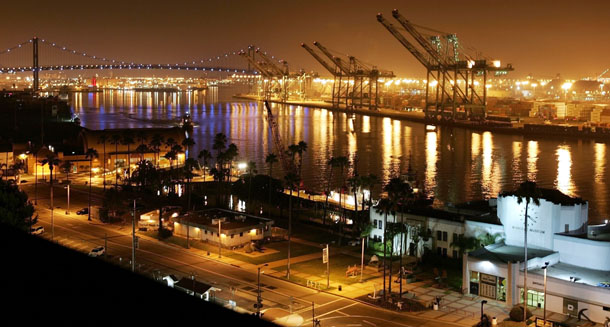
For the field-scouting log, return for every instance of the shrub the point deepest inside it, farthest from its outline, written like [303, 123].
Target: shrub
[516, 313]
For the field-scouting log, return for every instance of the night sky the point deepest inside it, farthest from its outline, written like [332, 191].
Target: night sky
[540, 37]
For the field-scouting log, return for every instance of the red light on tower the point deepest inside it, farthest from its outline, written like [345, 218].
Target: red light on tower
[93, 81]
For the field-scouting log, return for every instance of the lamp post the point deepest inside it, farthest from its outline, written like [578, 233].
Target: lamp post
[482, 304]
[544, 269]
[259, 299]
[68, 188]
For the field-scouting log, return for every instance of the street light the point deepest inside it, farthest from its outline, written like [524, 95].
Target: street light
[482, 304]
[566, 86]
[544, 269]
[259, 299]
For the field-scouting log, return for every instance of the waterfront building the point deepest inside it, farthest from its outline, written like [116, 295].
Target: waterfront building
[577, 255]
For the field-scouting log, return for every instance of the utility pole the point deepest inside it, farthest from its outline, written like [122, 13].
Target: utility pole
[106, 244]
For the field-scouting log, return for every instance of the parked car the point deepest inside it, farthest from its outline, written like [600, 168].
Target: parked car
[36, 230]
[98, 251]
[83, 211]
[354, 242]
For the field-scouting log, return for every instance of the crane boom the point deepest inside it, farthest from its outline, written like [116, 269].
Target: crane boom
[277, 141]
[319, 59]
[271, 64]
[418, 37]
[338, 61]
[256, 65]
[403, 40]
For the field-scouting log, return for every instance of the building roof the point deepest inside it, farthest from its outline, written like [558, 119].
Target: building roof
[507, 253]
[579, 274]
[193, 285]
[551, 195]
[489, 217]
[233, 219]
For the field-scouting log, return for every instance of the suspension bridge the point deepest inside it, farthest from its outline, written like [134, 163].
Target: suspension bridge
[37, 55]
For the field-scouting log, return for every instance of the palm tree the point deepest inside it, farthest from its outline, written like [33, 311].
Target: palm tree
[291, 180]
[187, 143]
[251, 172]
[189, 165]
[368, 182]
[103, 139]
[116, 140]
[204, 155]
[488, 239]
[332, 163]
[529, 193]
[394, 189]
[90, 154]
[302, 148]
[142, 149]
[128, 140]
[342, 162]
[365, 232]
[155, 145]
[270, 159]
[51, 161]
[385, 207]
[355, 184]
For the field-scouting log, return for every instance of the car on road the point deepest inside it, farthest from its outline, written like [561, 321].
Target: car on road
[36, 230]
[354, 242]
[83, 211]
[97, 251]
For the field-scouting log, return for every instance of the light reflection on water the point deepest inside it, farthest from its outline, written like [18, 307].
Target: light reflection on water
[451, 164]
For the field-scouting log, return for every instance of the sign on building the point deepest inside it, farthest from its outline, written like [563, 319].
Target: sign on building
[570, 306]
[325, 255]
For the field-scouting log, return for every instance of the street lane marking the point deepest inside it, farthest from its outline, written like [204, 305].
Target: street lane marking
[368, 322]
[336, 310]
[320, 305]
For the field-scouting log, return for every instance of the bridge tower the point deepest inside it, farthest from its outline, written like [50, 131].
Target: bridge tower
[35, 67]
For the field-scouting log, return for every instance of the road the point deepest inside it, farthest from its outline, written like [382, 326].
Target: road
[236, 283]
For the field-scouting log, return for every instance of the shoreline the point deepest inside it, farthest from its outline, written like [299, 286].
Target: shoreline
[528, 130]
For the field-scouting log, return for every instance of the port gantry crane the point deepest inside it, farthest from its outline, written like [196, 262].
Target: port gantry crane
[455, 76]
[277, 79]
[277, 141]
[352, 78]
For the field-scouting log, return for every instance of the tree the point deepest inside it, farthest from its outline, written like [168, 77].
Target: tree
[188, 143]
[385, 207]
[90, 154]
[529, 193]
[464, 244]
[365, 232]
[142, 149]
[103, 139]
[51, 161]
[189, 165]
[332, 164]
[128, 140]
[251, 172]
[145, 174]
[155, 145]
[270, 159]
[301, 148]
[488, 239]
[291, 180]
[116, 140]
[341, 162]
[15, 209]
[205, 156]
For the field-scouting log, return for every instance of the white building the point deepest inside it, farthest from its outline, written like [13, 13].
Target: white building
[578, 257]
[235, 229]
